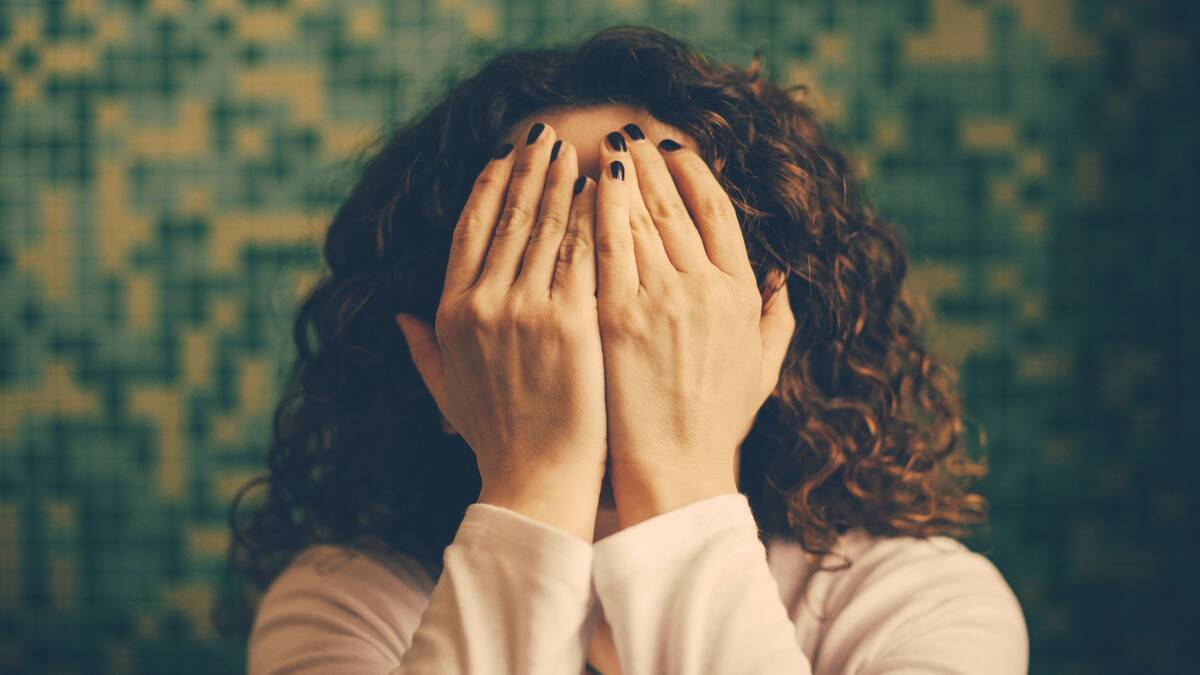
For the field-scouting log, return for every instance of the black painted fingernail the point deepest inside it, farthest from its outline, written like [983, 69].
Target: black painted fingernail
[502, 151]
[579, 183]
[554, 150]
[617, 169]
[668, 145]
[535, 132]
[634, 131]
[616, 141]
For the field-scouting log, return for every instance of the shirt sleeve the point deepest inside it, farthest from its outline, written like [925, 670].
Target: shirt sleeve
[691, 591]
[514, 596]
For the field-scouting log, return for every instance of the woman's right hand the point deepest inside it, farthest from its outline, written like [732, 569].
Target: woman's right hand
[514, 360]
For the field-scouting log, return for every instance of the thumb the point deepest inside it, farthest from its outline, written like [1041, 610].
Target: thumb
[776, 327]
[426, 354]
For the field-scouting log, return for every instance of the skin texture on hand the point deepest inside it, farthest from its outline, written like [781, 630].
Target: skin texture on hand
[689, 354]
[514, 360]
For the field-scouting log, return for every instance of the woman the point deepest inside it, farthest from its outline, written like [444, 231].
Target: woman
[668, 376]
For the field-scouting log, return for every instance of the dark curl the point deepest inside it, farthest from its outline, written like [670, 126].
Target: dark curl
[864, 428]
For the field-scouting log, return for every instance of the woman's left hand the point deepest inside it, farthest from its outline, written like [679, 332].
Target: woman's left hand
[690, 354]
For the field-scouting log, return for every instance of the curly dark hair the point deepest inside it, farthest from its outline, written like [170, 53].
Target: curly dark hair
[863, 430]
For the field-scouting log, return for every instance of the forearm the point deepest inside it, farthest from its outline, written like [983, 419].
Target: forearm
[690, 591]
[514, 597]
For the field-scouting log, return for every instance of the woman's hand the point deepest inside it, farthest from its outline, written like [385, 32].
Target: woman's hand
[689, 352]
[514, 360]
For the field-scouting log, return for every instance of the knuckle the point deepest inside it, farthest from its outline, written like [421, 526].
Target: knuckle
[672, 211]
[551, 222]
[713, 207]
[487, 179]
[523, 169]
[524, 320]
[469, 226]
[475, 313]
[641, 221]
[614, 246]
[546, 235]
[514, 218]
[574, 247]
[443, 324]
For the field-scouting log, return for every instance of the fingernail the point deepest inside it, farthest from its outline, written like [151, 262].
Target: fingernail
[617, 169]
[554, 150]
[502, 151]
[634, 131]
[535, 132]
[579, 183]
[668, 145]
[616, 141]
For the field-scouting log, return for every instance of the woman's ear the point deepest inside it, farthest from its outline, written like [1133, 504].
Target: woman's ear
[777, 325]
[427, 356]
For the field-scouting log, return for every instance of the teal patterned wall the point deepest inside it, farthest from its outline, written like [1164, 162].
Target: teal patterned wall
[166, 167]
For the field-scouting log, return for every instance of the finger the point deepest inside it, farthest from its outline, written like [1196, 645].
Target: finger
[616, 267]
[473, 231]
[712, 211]
[426, 355]
[521, 206]
[575, 268]
[777, 325]
[654, 267]
[537, 268]
[661, 200]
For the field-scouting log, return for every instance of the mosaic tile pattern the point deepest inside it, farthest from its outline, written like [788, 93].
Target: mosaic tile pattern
[166, 167]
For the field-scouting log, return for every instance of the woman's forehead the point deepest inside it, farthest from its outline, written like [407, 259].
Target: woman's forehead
[586, 127]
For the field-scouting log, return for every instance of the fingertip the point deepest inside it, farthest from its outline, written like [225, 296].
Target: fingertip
[563, 152]
[591, 194]
[503, 151]
[669, 145]
[611, 186]
[616, 170]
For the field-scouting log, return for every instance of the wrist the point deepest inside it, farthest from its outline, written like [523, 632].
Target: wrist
[564, 499]
[642, 493]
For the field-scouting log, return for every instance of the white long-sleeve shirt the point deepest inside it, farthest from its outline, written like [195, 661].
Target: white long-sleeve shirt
[690, 591]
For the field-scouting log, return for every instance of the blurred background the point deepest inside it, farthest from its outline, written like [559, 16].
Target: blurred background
[166, 167]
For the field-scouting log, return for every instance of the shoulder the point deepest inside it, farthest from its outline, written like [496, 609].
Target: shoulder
[920, 602]
[935, 565]
[365, 564]
[359, 604]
